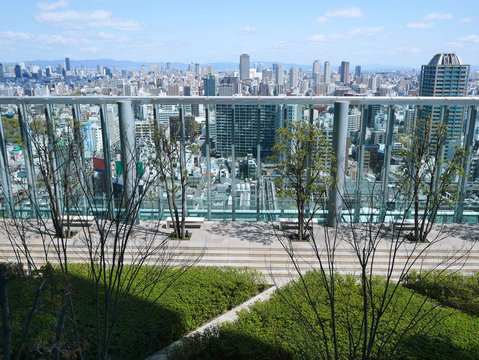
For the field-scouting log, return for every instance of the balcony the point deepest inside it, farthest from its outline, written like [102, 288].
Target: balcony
[242, 187]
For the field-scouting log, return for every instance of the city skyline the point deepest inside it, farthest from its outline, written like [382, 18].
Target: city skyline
[404, 34]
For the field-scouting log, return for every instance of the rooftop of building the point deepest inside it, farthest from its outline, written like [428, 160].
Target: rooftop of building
[445, 59]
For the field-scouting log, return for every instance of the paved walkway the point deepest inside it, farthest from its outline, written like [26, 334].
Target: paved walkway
[261, 246]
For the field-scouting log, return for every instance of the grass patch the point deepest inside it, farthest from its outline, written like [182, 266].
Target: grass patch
[273, 330]
[451, 289]
[143, 327]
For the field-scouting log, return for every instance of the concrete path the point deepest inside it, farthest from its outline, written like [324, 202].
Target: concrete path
[261, 246]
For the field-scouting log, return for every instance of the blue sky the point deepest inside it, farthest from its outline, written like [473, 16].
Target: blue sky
[404, 33]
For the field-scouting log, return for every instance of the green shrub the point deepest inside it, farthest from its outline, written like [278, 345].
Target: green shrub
[273, 330]
[451, 289]
[144, 326]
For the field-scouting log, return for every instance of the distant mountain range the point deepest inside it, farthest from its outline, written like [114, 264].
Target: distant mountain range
[217, 66]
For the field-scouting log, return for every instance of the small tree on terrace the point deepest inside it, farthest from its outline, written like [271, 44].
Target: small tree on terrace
[171, 161]
[301, 153]
[427, 178]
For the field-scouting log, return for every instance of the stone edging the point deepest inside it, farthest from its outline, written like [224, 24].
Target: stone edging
[231, 315]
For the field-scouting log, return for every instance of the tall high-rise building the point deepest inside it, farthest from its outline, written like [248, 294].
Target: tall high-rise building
[18, 71]
[244, 67]
[210, 85]
[357, 71]
[67, 64]
[2, 73]
[278, 74]
[245, 128]
[173, 90]
[344, 72]
[327, 72]
[372, 82]
[233, 83]
[316, 67]
[445, 75]
[293, 78]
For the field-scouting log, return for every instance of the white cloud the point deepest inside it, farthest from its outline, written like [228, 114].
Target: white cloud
[455, 44]
[88, 18]
[53, 6]
[437, 16]
[362, 31]
[419, 25]
[321, 19]
[349, 12]
[403, 51]
[466, 20]
[44, 39]
[367, 31]
[469, 38]
[328, 37]
[248, 29]
[113, 38]
[90, 49]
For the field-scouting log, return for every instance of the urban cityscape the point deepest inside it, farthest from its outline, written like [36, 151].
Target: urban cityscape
[251, 181]
[248, 80]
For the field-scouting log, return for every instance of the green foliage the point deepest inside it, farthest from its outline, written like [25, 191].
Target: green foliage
[144, 326]
[169, 159]
[11, 129]
[427, 179]
[452, 289]
[295, 143]
[301, 152]
[274, 330]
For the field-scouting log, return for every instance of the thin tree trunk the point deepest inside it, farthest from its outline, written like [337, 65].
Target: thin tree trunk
[7, 332]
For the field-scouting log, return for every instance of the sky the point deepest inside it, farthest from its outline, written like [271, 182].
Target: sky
[394, 33]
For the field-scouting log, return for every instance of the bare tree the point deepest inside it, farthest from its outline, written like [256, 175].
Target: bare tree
[365, 316]
[103, 235]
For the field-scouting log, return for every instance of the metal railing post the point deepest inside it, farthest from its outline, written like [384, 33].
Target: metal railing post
[340, 128]
[52, 146]
[308, 164]
[28, 157]
[258, 162]
[82, 168]
[107, 160]
[129, 161]
[156, 120]
[183, 147]
[5, 175]
[468, 136]
[386, 164]
[208, 161]
[360, 164]
[233, 165]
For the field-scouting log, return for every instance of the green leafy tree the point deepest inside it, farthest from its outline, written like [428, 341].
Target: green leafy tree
[301, 152]
[11, 129]
[170, 160]
[427, 178]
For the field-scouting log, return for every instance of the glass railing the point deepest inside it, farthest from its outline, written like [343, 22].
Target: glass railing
[242, 180]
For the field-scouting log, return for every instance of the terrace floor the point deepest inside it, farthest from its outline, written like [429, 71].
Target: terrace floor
[260, 246]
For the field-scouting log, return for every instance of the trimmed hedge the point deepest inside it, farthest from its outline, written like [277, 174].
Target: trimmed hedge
[272, 330]
[144, 327]
[451, 289]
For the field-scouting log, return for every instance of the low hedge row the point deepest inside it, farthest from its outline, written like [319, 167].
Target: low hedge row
[144, 326]
[451, 289]
[273, 330]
